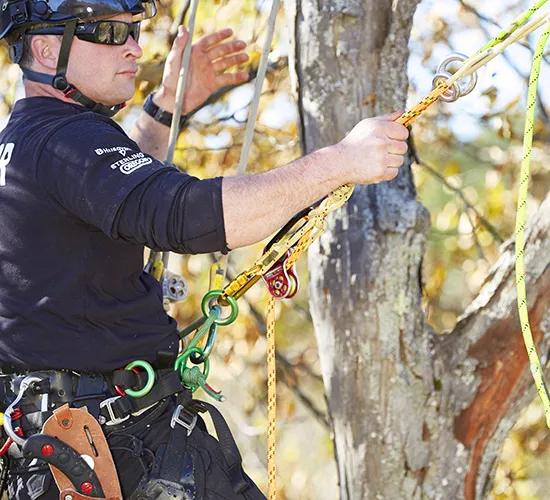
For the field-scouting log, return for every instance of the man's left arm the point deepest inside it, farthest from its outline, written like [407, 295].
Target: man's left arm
[211, 56]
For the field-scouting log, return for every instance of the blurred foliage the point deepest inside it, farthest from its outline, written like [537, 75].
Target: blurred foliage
[467, 156]
[466, 171]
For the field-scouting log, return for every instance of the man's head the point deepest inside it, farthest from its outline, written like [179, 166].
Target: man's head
[102, 37]
[104, 73]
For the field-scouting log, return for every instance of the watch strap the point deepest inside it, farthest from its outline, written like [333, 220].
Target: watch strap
[161, 115]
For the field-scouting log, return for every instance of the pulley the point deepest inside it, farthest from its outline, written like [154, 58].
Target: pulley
[174, 287]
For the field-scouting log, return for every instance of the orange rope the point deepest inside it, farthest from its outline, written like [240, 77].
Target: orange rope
[271, 399]
[409, 116]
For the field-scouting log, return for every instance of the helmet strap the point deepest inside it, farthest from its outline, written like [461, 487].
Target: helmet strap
[16, 51]
[59, 81]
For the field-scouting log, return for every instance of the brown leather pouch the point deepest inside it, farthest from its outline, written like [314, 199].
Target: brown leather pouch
[80, 430]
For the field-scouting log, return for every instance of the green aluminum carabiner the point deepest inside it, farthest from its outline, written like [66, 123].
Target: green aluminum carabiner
[207, 305]
[150, 378]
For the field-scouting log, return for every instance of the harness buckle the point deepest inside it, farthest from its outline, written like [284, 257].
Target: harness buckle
[113, 419]
[188, 424]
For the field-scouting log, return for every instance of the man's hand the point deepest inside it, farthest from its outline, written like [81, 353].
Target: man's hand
[374, 150]
[209, 60]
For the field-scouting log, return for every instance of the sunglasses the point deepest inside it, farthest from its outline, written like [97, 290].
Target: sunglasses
[103, 32]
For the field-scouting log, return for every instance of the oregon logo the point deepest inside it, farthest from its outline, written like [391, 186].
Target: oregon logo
[5, 156]
[131, 166]
[131, 163]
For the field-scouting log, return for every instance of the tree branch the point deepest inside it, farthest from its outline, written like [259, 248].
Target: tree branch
[483, 364]
[485, 223]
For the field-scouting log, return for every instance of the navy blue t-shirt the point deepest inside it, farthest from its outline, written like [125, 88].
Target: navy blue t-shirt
[72, 291]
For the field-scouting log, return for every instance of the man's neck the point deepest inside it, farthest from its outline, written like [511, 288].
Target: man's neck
[35, 89]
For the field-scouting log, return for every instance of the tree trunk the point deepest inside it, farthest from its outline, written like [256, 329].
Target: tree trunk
[415, 415]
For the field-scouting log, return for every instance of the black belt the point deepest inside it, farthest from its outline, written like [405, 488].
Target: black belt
[95, 391]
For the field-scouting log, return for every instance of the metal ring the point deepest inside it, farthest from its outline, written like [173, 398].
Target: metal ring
[450, 95]
[454, 57]
[471, 85]
[465, 88]
[208, 303]
[150, 378]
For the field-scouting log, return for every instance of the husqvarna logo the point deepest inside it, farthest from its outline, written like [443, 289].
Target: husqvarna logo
[5, 156]
[118, 149]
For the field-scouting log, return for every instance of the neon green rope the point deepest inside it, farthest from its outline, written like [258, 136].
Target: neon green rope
[513, 26]
[536, 368]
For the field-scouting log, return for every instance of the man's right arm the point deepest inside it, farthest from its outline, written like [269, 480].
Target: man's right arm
[130, 195]
[255, 206]
[172, 211]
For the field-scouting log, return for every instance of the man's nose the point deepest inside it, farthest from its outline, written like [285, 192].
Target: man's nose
[133, 47]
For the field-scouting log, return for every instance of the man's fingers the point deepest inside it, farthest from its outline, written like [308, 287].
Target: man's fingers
[229, 61]
[178, 46]
[207, 41]
[391, 173]
[396, 131]
[225, 49]
[231, 79]
[394, 161]
[398, 147]
[391, 116]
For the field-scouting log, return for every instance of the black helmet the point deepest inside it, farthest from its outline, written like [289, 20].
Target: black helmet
[16, 14]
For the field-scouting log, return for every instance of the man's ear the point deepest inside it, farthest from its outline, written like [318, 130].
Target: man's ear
[45, 50]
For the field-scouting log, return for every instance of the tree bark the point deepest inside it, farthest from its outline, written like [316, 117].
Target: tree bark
[414, 414]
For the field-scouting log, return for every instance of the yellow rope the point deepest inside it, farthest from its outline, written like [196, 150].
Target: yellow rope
[534, 361]
[271, 399]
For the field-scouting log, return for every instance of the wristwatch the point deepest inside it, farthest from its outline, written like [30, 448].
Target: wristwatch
[159, 114]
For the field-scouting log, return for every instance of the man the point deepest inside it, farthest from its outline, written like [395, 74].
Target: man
[79, 199]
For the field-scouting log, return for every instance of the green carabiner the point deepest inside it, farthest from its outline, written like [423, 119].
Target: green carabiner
[206, 307]
[207, 350]
[150, 378]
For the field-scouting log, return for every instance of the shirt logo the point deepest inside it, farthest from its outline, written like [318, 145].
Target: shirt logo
[5, 156]
[118, 149]
[132, 163]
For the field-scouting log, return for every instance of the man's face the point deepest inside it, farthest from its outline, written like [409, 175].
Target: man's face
[105, 73]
